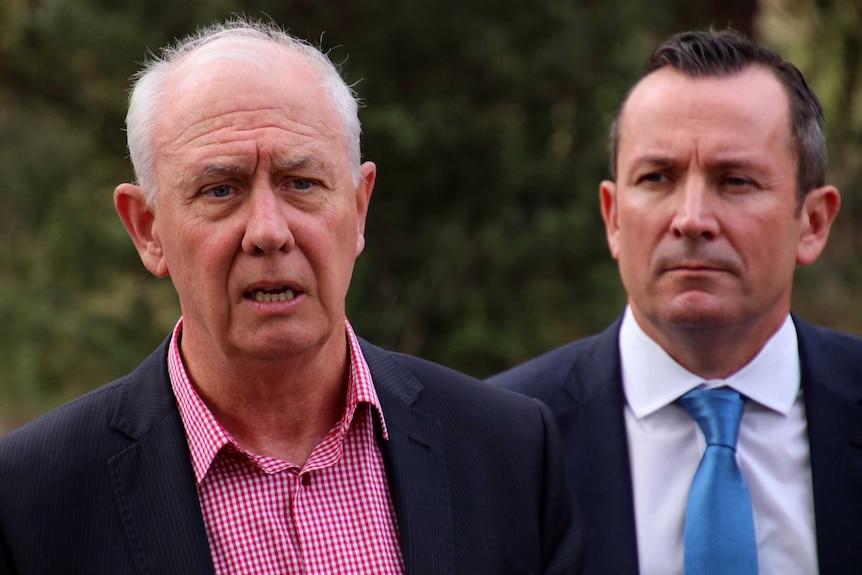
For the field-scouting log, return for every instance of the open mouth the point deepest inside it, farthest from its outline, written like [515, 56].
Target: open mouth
[276, 294]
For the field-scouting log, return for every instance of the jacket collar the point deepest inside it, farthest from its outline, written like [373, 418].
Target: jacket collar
[416, 464]
[153, 482]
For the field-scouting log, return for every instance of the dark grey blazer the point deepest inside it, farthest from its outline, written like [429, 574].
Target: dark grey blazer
[104, 484]
[582, 384]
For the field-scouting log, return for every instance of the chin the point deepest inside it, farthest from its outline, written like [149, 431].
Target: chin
[272, 346]
[272, 353]
[703, 316]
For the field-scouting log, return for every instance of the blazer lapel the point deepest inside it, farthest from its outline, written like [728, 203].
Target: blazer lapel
[592, 421]
[416, 466]
[153, 481]
[833, 403]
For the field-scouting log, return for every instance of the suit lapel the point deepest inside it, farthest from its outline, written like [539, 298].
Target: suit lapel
[833, 403]
[416, 466]
[592, 420]
[593, 407]
[153, 481]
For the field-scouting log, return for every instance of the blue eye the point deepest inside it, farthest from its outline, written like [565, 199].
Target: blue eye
[302, 184]
[221, 191]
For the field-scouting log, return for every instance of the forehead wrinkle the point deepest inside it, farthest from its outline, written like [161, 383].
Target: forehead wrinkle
[240, 154]
[233, 122]
[223, 132]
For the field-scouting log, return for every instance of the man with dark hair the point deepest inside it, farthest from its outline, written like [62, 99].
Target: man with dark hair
[709, 430]
[264, 436]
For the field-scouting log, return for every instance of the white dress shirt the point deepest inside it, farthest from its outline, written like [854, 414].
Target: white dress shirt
[666, 445]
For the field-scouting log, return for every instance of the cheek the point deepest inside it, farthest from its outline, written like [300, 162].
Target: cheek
[633, 269]
[349, 247]
[636, 240]
[639, 246]
[768, 240]
[203, 253]
[330, 244]
[341, 234]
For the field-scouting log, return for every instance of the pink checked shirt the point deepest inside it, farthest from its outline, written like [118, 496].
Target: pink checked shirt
[266, 516]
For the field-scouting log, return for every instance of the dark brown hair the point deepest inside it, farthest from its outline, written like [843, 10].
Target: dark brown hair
[728, 52]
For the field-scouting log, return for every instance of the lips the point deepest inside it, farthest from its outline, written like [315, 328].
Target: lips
[682, 259]
[697, 267]
[261, 293]
[272, 295]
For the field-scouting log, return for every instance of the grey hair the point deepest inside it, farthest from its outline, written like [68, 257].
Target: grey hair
[728, 52]
[149, 88]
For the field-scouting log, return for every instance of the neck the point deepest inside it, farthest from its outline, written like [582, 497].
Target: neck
[276, 408]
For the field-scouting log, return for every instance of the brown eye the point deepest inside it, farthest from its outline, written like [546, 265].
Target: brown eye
[736, 182]
[655, 178]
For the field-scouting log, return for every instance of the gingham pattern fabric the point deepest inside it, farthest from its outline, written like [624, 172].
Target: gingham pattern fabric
[266, 516]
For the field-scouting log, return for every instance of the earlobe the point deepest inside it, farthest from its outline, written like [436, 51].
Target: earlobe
[140, 223]
[819, 210]
[610, 215]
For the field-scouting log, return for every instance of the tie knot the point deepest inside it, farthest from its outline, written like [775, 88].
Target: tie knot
[718, 412]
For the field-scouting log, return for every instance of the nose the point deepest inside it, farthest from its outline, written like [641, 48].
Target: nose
[266, 228]
[694, 215]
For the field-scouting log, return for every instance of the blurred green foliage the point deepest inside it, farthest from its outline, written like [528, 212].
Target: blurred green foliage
[487, 120]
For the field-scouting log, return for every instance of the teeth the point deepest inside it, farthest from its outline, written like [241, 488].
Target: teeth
[286, 294]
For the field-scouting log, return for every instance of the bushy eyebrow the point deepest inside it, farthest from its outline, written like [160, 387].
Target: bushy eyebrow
[286, 166]
[653, 160]
[220, 170]
[735, 164]
[310, 167]
[661, 161]
[648, 162]
[298, 164]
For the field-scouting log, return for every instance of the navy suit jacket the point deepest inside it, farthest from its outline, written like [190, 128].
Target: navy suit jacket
[582, 384]
[104, 484]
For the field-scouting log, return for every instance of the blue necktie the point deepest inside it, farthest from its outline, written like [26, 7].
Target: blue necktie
[719, 526]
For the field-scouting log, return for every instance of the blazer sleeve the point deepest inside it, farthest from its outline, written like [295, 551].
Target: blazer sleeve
[5, 561]
[562, 522]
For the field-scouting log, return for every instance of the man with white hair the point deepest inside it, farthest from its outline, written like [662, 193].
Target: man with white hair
[263, 436]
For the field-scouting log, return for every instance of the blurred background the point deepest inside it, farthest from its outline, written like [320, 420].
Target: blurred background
[487, 120]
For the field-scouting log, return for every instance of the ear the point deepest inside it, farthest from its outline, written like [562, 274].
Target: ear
[140, 222]
[610, 214]
[367, 175]
[819, 210]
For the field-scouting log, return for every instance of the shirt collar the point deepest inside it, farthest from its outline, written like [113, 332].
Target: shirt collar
[652, 379]
[207, 437]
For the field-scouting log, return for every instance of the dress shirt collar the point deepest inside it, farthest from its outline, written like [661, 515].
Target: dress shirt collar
[652, 379]
[207, 437]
